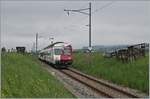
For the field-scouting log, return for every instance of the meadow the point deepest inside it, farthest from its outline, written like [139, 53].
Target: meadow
[23, 77]
[132, 74]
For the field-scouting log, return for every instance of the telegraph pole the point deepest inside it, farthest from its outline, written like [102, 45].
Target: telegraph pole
[89, 14]
[90, 25]
[36, 42]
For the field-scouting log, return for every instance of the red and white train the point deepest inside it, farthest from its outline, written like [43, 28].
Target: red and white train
[59, 54]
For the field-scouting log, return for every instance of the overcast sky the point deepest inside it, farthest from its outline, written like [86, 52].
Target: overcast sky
[122, 22]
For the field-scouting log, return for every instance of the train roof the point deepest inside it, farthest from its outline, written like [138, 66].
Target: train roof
[56, 43]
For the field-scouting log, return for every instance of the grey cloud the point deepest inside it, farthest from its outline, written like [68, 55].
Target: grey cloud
[122, 22]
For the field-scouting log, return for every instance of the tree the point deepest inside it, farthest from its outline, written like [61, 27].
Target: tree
[3, 49]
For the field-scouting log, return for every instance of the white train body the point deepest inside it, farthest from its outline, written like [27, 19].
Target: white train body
[58, 53]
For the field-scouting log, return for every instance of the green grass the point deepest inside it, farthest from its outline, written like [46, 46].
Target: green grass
[133, 74]
[23, 76]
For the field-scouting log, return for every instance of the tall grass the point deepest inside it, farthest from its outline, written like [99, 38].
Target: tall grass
[23, 77]
[132, 74]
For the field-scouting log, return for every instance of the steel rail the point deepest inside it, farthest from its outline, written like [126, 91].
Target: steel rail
[128, 94]
[88, 85]
[105, 84]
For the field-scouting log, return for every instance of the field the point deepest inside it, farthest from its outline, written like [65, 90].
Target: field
[23, 77]
[133, 74]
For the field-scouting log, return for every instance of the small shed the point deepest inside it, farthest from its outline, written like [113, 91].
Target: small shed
[20, 49]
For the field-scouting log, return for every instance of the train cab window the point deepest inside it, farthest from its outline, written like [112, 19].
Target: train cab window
[49, 53]
[58, 51]
[67, 52]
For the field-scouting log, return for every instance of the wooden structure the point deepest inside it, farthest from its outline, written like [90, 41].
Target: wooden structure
[131, 52]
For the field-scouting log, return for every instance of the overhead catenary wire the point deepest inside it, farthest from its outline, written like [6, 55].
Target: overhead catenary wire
[81, 11]
[85, 18]
[86, 13]
[104, 6]
[72, 24]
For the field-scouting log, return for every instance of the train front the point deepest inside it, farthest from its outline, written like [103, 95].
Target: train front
[65, 56]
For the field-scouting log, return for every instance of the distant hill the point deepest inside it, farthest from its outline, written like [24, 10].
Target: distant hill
[108, 48]
[105, 48]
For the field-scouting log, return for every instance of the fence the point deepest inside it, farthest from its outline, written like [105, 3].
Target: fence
[131, 52]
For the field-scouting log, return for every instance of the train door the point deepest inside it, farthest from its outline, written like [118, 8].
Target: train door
[57, 54]
[49, 55]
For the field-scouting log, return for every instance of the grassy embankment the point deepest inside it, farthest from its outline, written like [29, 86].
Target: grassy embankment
[23, 76]
[133, 74]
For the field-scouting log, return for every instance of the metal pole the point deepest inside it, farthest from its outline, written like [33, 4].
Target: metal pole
[90, 24]
[36, 42]
[89, 14]
[51, 40]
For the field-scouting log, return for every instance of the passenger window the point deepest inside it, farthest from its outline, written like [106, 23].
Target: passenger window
[58, 51]
[49, 53]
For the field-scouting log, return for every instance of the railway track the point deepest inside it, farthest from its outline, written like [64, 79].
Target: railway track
[103, 88]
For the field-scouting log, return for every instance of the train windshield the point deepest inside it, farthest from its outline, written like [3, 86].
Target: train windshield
[67, 51]
[58, 51]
